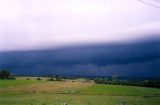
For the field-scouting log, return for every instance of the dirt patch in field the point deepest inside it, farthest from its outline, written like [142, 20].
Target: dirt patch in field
[48, 87]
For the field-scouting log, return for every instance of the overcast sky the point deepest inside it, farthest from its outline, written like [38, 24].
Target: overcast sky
[32, 24]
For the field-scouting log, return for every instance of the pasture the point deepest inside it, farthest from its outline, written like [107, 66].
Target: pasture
[73, 92]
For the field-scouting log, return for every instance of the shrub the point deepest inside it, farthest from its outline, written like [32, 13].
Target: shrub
[38, 78]
[27, 78]
[51, 79]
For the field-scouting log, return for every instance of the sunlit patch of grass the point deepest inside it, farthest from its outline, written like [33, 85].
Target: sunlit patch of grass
[12, 83]
[103, 89]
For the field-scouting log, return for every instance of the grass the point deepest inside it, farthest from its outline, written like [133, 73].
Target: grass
[12, 83]
[20, 81]
[120, 90]
[59, 99]
[33, 92]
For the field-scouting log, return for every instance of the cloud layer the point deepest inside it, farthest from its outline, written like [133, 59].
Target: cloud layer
[140, 59]
[34, 24]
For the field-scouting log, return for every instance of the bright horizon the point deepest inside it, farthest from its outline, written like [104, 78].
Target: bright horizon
[34, 24]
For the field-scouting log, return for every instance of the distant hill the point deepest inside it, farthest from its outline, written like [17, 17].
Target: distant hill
[137, 59]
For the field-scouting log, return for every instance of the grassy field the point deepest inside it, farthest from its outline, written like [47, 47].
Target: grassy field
[77, 92]
[12, 83]
[120, 90]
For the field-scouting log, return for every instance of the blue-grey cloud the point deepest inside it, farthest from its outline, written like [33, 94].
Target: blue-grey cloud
[129, 59]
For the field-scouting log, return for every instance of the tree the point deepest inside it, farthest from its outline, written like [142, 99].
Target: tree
[4, 74]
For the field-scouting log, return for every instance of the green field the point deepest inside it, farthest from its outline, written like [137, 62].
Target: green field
[12, 83]
[77, 92]
[120, 90]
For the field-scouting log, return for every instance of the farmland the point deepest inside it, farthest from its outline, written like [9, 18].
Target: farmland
[73, 92]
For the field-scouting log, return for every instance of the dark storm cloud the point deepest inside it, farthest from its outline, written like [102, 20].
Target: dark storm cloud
[132, 59]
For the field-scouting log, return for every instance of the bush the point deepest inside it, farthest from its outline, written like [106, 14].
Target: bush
[27, 78]
[99, 80]
[51, 79]
[38, 78]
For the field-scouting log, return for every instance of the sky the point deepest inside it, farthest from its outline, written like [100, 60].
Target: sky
[34, 24]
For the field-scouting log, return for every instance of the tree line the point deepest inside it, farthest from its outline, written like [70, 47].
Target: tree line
[115, 81]
[4, 74]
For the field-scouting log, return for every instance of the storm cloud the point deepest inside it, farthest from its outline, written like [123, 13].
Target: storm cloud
[128, 59]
